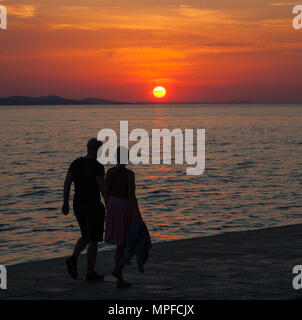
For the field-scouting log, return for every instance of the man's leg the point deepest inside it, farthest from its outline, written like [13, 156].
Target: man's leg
[91, 256]
[95, 229]
[92, 252]
[79, 247]
[71, 263]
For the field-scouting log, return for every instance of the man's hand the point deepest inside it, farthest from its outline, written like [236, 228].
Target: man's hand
[103, 187]
[65, 208]
[67, 185]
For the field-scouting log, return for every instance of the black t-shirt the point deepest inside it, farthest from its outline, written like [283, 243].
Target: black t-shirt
[84, 172]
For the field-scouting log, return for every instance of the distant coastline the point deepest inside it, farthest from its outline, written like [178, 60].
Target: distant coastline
[53, 100]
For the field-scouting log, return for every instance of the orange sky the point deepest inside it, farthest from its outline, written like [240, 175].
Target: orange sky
[213, 50]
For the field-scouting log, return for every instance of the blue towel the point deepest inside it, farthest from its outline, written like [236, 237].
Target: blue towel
[139, 242]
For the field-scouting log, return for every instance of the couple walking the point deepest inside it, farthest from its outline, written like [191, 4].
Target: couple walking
[124, 225]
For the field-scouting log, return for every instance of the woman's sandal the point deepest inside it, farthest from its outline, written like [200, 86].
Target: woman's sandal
[121, 283]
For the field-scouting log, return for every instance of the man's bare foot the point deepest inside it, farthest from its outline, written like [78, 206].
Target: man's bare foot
[71, 264]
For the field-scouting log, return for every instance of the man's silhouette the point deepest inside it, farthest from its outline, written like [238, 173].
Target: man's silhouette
[88, 176]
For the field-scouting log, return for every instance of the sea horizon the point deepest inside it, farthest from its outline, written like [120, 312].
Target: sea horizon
[55, 100]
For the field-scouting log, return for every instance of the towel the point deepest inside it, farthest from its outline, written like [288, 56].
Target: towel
[138, 242]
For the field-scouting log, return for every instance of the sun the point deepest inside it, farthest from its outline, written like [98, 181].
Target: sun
[159, 92]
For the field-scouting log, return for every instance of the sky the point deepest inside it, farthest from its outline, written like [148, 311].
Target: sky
[200, 51]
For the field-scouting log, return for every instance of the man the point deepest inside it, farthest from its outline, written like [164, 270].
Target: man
[88, 176]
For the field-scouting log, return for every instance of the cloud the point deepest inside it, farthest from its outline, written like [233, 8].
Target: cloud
[281, 4]
[178, 19]
[280, 23]
[205, 15]
[21, 11]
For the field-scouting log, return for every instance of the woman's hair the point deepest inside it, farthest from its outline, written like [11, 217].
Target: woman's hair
[121, 151]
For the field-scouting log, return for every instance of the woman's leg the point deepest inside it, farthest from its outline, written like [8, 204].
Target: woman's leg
[119, 261]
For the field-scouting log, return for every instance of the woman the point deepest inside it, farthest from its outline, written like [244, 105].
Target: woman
[122, 213]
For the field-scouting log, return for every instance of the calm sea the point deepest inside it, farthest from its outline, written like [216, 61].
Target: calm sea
[253, 175]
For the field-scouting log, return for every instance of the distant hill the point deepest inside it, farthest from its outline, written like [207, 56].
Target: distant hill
[241, 102]
[53, 100]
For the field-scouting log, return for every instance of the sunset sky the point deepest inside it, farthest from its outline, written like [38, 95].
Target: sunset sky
[213, 50]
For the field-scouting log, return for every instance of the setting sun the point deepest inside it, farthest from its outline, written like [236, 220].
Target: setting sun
[159, 92]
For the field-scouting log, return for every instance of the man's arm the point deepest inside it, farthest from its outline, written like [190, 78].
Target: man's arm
[67, 185]
[102, 186]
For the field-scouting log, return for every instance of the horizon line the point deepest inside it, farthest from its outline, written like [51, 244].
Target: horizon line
[102, 101]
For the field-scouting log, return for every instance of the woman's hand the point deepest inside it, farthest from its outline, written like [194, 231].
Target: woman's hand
[65, 208]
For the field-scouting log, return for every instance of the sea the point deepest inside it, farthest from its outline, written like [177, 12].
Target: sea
[252, 177]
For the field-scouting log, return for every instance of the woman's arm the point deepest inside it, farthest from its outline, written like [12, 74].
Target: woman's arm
[108, 185]
[131, 191]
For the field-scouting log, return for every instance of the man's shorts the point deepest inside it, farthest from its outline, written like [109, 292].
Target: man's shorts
[91, 220]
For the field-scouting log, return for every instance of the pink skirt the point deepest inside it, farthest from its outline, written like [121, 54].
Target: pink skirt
[119, 218]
